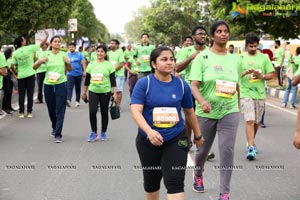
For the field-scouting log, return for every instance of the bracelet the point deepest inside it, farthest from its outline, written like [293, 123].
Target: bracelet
[198, 138]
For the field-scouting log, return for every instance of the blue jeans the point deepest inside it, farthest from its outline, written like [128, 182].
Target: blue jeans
[288, 89]
[74, 80]
[56, 99]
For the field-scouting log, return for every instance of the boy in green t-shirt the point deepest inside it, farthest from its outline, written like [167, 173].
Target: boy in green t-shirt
[256, 69]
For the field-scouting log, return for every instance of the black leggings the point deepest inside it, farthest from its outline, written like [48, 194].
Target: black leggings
[94, 100]
[167, 161]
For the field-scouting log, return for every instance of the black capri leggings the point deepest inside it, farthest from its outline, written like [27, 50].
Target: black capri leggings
[94, 100]
[167, 161]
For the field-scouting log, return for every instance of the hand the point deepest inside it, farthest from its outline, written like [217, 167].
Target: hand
[84, 74]
[84, 96]
[67, 60]
[115, 97]
[155, 138]
[250, 71]
[206, 107]
[198, 143]
[43, 60]
[296, 141]
[258, 74]
[46, 33]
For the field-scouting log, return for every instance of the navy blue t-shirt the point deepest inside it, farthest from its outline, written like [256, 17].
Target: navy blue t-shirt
[154, 93]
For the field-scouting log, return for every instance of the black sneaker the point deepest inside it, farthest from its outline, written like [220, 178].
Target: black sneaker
[8, 111]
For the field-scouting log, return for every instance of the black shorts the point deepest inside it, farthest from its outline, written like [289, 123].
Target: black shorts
[167, 161]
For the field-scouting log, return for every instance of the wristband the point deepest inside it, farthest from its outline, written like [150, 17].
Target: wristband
[198, 138]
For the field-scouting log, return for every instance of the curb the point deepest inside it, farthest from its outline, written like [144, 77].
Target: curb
[279, 93]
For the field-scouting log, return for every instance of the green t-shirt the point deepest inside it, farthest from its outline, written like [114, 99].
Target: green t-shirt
[133, 65]
[86, 56]
[39, 55]
[2, 65]
[278, 55]
[93, 57]
[218, 76]
[115, 58]
[143, 56]
[128, 54]
[177, 56]
[55, 68]
[100, 76]
[184, 54]
[23, 59]
[296, 64]
[250, 86]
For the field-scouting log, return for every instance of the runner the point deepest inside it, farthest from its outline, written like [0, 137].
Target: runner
[75, 76]
[23, 59]
[133, 69]
[142, 53]
[161, 142]
[116, 58]
[214, 77]
[55, 86]
[100, 81]
[279, 55]
[256, 69]
[3, 72]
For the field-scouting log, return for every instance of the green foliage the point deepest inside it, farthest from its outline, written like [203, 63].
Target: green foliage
[169, 21]
[277, 23]
[27, 16]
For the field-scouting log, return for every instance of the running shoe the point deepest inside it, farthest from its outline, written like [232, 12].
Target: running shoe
[283, 105]
[77, 104]
[58, 140]
[255, 147]
[293, 107]
[224, 196]
[29, 115]
[52, 133]
[103, 136]
[69, 103]
[211, 156]
[262, 125]
[251, 153]
[198, 184]
[21, 116]
[93, 137]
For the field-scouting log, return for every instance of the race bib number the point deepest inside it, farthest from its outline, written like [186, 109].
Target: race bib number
[53, 77]
[146, 58]
[225, 88]
[165, 117]
[253, 77]
[97, 78]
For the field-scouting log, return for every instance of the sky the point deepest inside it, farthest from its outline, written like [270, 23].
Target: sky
[114, 14]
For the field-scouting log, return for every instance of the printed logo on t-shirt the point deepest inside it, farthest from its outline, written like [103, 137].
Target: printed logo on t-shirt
[218, 68]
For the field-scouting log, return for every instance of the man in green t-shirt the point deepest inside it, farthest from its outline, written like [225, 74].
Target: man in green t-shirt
[279, 56]
[116, 58]
[22, 65]
[296, 141]
[186, 57]
[142, 53]
[256, 69]
[2, 73]
[188, 41]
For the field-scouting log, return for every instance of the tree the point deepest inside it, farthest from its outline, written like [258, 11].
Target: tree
[27, 16]
[270, 17]
[88, 25]
[169, 21]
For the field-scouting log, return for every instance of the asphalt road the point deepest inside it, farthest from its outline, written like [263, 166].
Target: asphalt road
[33, 167]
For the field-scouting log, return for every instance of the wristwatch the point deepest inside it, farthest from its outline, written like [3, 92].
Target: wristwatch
[198, 138]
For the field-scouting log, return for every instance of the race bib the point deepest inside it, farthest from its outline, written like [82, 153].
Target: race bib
[253, 77]
[97, 78]
[53, 77]
[136, 69]
[225, 88]
[146, 58]
[165, 117]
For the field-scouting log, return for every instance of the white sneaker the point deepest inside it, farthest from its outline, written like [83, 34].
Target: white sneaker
[77, 104]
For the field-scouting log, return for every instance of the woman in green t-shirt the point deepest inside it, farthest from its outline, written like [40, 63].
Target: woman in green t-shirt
[100, 81]
[55, 84]
[214, 77]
